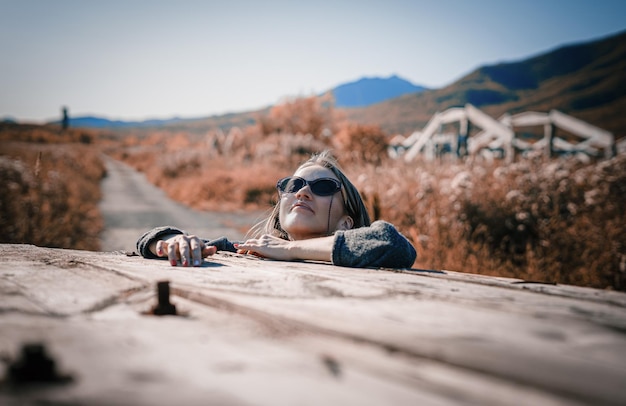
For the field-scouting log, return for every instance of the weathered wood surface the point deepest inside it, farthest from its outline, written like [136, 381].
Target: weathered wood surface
[259, 332]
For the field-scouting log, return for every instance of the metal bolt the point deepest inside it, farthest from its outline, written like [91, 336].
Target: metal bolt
[35, 366]
[164, 307]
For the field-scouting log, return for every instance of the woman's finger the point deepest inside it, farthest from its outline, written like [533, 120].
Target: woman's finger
[195, 246]
[172, 252]
[161, 248]
[256, 254]
[184, 252]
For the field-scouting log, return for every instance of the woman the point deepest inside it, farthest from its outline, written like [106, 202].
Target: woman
[320, 216]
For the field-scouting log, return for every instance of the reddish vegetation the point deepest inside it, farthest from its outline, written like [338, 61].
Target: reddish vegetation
[549, 221]
[546, 221]
[51, 187]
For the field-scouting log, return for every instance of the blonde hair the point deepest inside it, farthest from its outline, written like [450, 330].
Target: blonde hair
[353, 202]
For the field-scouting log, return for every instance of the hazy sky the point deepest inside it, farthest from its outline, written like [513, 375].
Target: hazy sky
[158, 59]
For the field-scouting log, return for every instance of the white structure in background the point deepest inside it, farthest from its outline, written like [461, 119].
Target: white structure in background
[431, 138]
[594, 139]
[498, 136]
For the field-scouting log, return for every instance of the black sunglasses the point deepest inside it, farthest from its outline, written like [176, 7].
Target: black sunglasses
[320, 187]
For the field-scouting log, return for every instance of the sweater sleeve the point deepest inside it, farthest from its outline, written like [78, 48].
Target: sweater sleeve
[222, 244]
[380, 245]
[143, 243]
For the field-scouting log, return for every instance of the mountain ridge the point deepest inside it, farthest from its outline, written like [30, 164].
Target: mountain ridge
[370, 90]
[359, 93]
[586, 80]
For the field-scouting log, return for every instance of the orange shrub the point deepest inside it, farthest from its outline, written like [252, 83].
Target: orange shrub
[362, 143]
[310, 115]
[51, 195]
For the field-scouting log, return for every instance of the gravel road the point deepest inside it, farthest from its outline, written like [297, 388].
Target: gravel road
[131, 205]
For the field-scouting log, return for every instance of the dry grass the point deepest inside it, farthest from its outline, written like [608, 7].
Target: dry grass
[547, 221]
[557, 221]
[50, 187]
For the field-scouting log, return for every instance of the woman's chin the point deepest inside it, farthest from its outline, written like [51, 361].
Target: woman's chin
[303, 228]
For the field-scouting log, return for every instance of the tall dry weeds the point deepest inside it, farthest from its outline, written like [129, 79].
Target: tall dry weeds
[547, 221]
[50, 188]
[557, 221]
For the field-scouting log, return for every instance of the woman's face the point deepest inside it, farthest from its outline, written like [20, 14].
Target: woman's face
[304, 214]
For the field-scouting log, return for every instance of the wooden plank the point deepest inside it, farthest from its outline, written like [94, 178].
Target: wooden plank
[214, 357]
[227, 359]
[282, 329]
[58, 285]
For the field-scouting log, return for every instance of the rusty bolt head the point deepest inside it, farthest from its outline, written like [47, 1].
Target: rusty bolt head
[163, 307]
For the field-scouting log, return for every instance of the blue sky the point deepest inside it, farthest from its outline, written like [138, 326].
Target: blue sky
[140, 59]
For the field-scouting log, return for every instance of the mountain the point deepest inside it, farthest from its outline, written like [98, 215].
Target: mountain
[587, 81]
[368, 91]
[195, 125]
[363, 92]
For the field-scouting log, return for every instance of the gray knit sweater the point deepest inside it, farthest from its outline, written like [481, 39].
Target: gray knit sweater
[380, 246]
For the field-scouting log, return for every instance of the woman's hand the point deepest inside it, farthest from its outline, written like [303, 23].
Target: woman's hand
[188, 249]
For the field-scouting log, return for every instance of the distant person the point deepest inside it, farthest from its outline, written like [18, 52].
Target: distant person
[65, 123]
[320, 216]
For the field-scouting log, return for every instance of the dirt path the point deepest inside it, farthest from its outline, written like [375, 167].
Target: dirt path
[131, 205]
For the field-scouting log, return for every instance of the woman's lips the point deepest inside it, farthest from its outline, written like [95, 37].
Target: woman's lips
[301, 205]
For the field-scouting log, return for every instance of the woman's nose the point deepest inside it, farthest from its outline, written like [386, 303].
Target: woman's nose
[305, 191]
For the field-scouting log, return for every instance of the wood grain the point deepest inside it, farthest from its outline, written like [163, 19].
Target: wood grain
[263, 332]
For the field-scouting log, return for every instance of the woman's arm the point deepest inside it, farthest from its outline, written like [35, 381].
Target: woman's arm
[149, 238]
[313, 249]
[379, 245]
[176, 245]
